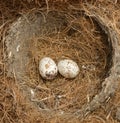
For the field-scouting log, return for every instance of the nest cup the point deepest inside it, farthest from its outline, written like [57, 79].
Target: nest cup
[60, 35]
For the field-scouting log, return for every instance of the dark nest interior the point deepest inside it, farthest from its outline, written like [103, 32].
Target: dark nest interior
[75, 32]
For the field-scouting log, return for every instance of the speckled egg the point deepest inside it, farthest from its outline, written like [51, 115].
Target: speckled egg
[48, 68]
[68, 68]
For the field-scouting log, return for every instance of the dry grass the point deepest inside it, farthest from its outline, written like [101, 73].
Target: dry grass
[86, 48]
[14, 105]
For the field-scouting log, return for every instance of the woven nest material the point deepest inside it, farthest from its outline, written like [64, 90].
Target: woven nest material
[76, 35]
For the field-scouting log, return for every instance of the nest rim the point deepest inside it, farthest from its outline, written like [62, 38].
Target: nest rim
[108, 85]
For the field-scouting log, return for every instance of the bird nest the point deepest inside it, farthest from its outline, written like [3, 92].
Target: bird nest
[77, 35]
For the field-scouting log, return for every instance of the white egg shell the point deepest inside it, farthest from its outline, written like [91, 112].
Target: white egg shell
[48, 68]
[68, 68]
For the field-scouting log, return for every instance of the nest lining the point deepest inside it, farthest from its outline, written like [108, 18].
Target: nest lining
[60, 36]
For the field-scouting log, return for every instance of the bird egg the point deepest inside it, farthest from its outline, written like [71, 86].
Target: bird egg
[48, 68]
[68, 68]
